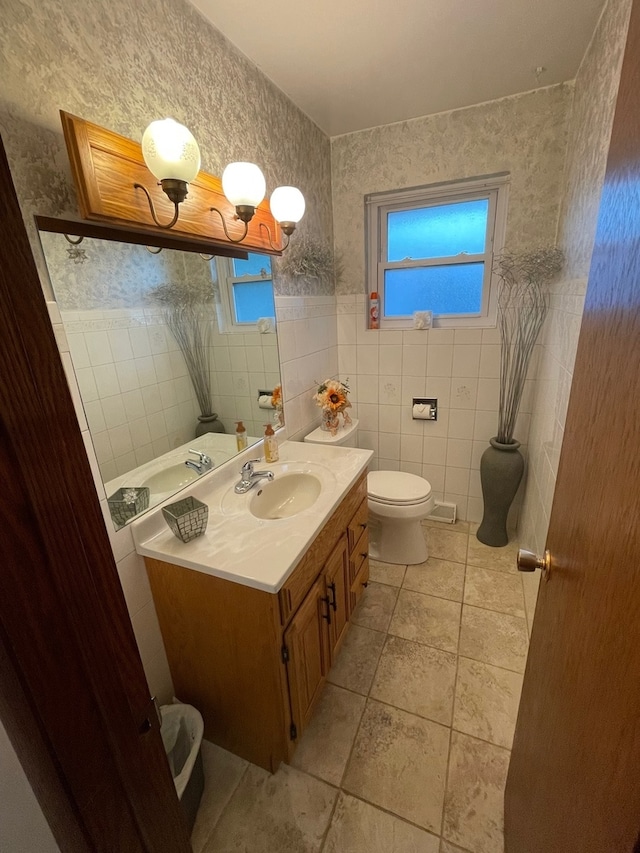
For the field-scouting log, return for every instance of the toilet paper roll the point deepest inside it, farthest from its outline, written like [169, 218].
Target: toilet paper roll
[422, 412]
[265, 401]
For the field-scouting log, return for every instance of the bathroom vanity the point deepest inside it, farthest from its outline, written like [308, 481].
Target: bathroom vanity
[254, 612]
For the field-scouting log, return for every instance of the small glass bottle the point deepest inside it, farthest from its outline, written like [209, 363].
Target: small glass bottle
[241, 435]
[271, 452]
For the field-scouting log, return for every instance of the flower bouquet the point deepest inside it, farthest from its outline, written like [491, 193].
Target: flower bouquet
[332, 398]
[276, 402]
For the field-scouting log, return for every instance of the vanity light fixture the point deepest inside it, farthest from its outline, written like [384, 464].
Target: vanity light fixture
[173, 157]
[244, 186]
[287, 206]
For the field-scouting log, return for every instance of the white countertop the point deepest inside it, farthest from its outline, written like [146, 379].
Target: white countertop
[248, 550]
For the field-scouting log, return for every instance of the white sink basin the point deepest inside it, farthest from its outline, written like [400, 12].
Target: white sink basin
[170, 479]
[285, 496]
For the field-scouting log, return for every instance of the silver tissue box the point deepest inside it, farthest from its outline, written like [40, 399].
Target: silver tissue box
[187, 518]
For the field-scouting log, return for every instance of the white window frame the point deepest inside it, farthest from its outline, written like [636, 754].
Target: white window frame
[495, 188]
[227, 321]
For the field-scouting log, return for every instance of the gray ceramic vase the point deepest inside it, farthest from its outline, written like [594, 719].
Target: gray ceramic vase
[209, 423]
[501, 469]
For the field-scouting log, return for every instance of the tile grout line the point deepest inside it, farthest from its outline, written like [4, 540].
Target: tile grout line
[226, 805]
[453, 706]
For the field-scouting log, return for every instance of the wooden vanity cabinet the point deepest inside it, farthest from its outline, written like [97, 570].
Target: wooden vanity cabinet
[254, 663]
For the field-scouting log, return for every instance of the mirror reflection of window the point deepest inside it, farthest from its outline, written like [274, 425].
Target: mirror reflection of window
[246, 293]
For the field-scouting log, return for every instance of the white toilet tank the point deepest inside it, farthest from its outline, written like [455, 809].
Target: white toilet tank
[347, 435]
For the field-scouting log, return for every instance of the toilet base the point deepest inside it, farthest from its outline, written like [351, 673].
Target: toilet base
[397, 541]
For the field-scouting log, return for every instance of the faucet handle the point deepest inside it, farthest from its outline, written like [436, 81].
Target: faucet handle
[204, 459]
[247, 468]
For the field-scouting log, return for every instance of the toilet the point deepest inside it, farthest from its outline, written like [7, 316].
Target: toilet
[397, 504]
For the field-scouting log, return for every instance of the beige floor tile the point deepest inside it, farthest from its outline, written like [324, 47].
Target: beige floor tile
[222, 772]
[494, 590]
[357, 659]
[358, 827]
[416, 678]
[399, 763]
[288, 811]
[441, 578]
[390, 573]
[497, 559]
[473, 812]
[325, 746]
[375, 608]
[426, 619]
[487, 701]
[446, 544]
[494, 638]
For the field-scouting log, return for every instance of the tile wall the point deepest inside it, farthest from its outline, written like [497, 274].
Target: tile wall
[386, 369]
[131, 569]
[307, 339]
[242, 365]
[138, 399]
[596, 89]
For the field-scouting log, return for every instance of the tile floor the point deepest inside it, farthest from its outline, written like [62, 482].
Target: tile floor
[409, 747]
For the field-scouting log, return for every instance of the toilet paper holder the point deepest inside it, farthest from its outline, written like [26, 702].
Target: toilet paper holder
[425, 409]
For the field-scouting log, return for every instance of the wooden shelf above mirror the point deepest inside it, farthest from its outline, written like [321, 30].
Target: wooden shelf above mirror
[105, 166]
[139, 236]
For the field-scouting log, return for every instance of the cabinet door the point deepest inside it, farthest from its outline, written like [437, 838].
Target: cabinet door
[306, 641]
[336, 575]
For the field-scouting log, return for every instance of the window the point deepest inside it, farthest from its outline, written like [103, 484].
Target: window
[246, 291]
[431, 249]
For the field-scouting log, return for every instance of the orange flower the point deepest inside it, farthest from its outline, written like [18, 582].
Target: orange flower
[276, 396]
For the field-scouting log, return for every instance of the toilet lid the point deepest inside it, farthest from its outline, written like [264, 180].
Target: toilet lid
[397, 487]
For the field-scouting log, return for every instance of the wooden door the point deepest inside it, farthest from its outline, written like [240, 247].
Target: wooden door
[574, 780]
[307, 643]
[73, 696]
[336, 576]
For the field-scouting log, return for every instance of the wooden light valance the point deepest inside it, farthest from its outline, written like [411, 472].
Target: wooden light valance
[105, 166]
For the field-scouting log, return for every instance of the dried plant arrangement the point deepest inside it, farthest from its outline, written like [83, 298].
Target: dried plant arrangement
[307, 257]
[187, 309]
[523, 304]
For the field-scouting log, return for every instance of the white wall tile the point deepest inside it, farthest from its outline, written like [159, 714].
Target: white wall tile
[389, 446]
[389, 418]
[466, 360]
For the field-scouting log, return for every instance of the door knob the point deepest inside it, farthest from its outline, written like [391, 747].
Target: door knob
[528, 562]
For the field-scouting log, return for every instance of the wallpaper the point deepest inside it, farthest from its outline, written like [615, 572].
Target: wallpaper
[123, 64]
[523, 135]
[596, 89]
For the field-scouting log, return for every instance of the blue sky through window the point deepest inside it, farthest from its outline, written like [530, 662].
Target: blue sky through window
[252, 300]
[448, 289]
[439, 231]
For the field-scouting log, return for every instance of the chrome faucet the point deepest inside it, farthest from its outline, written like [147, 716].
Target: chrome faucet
[249, 477]
[205, 464]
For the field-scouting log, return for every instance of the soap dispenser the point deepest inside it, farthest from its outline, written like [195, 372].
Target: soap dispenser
[241, 435]
[271, 452]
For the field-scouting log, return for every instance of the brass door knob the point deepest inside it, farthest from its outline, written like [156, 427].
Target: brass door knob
[528, 561]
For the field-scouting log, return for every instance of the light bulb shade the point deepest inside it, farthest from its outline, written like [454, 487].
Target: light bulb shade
[170, 151]
[287, 204]
[243, 184]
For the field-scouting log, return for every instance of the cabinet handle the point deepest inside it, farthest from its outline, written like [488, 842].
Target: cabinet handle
[333, 603]
[327, 615]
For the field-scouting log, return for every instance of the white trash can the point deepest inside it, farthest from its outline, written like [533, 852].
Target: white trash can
[182, 730]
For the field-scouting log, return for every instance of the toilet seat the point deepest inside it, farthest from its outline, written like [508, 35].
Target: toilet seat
[397, 488]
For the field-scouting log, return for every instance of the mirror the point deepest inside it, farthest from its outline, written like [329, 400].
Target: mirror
[170, 349]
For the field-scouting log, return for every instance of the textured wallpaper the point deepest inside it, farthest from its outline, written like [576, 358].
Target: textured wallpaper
[122, 64]
[523, 135]
[596, 89]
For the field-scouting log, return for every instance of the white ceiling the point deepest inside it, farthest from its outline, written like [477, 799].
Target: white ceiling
[352, 64]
